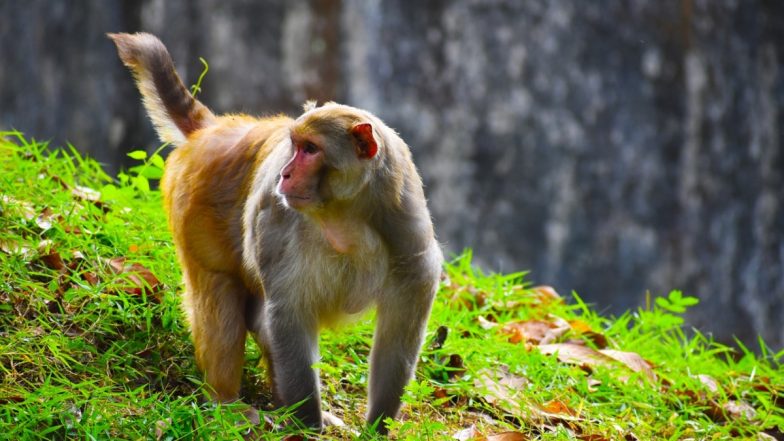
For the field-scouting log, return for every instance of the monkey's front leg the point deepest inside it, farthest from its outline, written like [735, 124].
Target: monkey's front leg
[293, 347]
[399, 332]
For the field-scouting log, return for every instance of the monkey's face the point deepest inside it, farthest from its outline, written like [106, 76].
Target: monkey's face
[300, 177]
[332, 152]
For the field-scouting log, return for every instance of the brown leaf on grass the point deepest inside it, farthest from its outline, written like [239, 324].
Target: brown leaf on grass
[587, 357]
[468, 297]
[506, 436]
[534, 331]
[500, 388]
[76, 230]
[709, 382]
[446, 400]
[580, 326]
[485, 323]
[576, 354]
[455, 366]
[56, 179]
[91, 278]
[764, 384]
[15, 207]
[553, 412]
[15, 248]
[76, 265]
[467, 434]
[583, 329]
[161, 426]
[587, 437]
[739, 411]
[438, 340]
[729, 411]
[86, 193]
[44, 219]
[141, 279]
[16, 398]
[537, 296]
[633, 361]
[598, 339]
[74, 331]
[440, 393]
[53, 260]
[546, 294]
[557, 407]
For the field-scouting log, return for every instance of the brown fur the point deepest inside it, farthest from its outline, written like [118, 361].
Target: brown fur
[360, 235]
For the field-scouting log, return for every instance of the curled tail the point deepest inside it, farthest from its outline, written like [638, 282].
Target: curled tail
[173, 110]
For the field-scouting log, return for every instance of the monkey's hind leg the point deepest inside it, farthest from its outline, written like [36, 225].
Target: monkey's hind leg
[215, 306]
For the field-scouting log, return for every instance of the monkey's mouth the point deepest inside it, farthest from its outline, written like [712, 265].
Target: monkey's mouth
[295, 201]
[291, 197]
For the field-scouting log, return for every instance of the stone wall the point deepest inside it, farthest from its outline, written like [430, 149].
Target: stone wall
[611, 147]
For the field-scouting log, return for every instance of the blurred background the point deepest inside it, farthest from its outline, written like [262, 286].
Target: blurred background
[612, 148]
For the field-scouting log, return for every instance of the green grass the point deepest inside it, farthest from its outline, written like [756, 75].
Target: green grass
[95, 347]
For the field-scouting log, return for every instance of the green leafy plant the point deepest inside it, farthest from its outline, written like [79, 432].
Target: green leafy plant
[676, 302]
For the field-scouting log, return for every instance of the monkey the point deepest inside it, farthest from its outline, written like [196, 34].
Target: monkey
[285, 225]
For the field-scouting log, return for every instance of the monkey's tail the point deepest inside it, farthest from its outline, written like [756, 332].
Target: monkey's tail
[173, 110]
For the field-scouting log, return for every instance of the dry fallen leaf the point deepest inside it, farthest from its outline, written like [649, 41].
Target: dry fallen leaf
[91, 278]
[587, 437]
[141, 279]
[546, 294]
[15, 207]
[455, 366]
[86, 193]
[468, 297]
[739, 410]
[14, 248]
[557, 407]
[580, 326]
[584, 330]
[53, 260]
[507, 436]
[709, 382]
[44, 220]
[466, 434]
[161, 426]
[633, 361]
[587, 357]
[500, 388]
[576, 354]
[485, 323]
[438, 340]
[534, 331]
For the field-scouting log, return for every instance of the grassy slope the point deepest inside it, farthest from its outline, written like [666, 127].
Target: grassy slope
[93, 347]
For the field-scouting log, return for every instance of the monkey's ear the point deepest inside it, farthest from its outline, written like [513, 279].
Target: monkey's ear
[364, 142]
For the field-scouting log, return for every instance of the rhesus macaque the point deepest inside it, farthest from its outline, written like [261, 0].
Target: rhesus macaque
[284, 225]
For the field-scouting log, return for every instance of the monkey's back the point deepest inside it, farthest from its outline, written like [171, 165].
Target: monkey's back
[206, 182]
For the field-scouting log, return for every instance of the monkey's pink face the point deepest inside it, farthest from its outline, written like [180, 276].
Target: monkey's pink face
[299, 178]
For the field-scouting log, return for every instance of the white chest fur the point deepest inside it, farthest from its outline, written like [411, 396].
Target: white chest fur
[341, 276]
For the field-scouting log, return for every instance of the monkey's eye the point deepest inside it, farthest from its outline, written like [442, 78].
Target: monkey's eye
[309, 148]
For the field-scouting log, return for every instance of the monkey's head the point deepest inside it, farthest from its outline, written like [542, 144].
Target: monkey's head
[334, 152]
